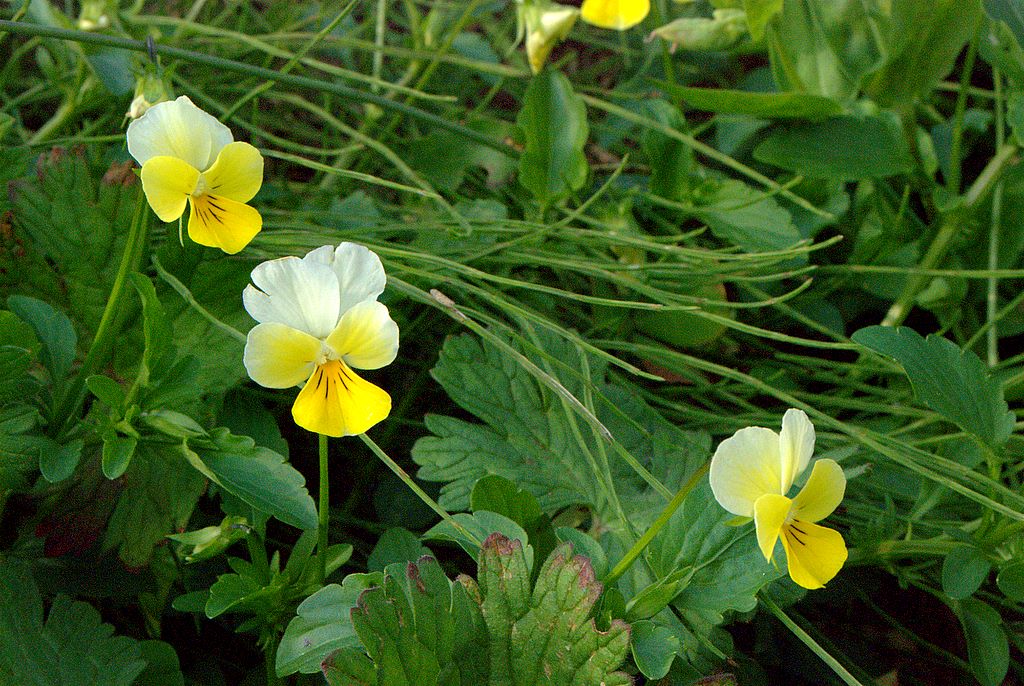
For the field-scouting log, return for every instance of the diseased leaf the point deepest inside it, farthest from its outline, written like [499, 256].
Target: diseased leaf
[553, 121]
[947, 379]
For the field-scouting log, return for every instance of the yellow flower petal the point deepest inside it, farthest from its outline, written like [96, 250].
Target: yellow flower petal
[822, 493]
[336, 402]
[814, 554]
[796, 445]
[222, 223]
[745, 467]
[278, 356]
[167, 183]
[177, 128]
[615, 14]
[770, 512]
[366, 337]
[237, 174]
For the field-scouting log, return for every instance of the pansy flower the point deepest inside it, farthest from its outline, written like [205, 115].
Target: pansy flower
[190, 158]
[615, 14]
[319, 319]
[751, 474]
[545, 25]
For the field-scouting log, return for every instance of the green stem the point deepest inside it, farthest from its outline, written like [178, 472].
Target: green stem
[954, 222]
[806, 639]
[324, 512]
[225, 65]
[101, 343]
[627, 560]
[956, 147]
[415, 488]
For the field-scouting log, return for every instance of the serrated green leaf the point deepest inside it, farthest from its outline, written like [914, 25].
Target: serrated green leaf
[322, 625]
[964, 570]
[988, 649]
[257, 475]
[951, 381]
[72, 647]
[52, 328]
[553, 121]
[754, 104]
[845, 148]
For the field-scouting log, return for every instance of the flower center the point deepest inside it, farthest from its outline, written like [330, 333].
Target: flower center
[201, 187]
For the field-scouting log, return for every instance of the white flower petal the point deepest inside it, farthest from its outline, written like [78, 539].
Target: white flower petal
[796, 445]
[291, 291]
[366, 336]
[360, 274]
[177, 128]
[278, 356]
[744, 468]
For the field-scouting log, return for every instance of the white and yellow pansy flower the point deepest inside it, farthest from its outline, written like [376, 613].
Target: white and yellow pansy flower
[751, 475]
[615, 14]
[190, 158]
[318, 320]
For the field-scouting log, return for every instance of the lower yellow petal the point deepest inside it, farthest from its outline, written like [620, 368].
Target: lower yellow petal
[222, 223]
[814, 554]
[167, 183]
[336, 402]
[770, 512]
[615, 14]
[237, 174]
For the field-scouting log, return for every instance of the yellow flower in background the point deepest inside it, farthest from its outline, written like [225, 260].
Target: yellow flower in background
[190, 158]
[545, 25]
[318, 320]
[615, 14]
[751, 473]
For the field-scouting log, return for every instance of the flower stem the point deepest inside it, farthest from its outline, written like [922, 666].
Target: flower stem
[101, 342]
[806, 639]
[324, 512]
[415, 488]
[627, 560]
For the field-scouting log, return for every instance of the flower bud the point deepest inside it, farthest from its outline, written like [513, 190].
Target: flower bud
[545, 25]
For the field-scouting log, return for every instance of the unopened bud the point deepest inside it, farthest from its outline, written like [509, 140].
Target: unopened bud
[545, 26]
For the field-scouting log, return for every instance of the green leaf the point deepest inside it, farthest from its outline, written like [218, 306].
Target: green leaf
[988, 649]
[745, 217]
[16, 332]
[257, 475]
[753, 104]
[107, 390]
[323, 625]
[759, 13]
[1010, 581]
[117, 454]
[58, 462]
[846, 148]
[481, 524]
[73, 646]
[964, 570]
[162, 668]
[155, 326]
[951, 381]
[553, 121]
[52, 328]
[19, 384]
[395, 545]
[654, 647]
[497, 494]
[670, 159]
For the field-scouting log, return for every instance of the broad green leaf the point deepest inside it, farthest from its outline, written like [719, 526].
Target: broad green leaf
[162, 668]
[988, 649]
[922, 41]
[964, 570]
[19, 384]
[323, 625]
[73, 646]
[16, 332]
[553, 121]
[671, 160]
[825, 48]
[117, 454]
[58, 462]
[654, 647]
[846, 148]
[395, 545]
[1010, 581]
[753, 104]
[951, 381]
[107, 390]
[481, 525]
[745, 217]
[257, 475]
[759, 13]
[527, 437]
[52, 328]
[444, 158]
[349, 667]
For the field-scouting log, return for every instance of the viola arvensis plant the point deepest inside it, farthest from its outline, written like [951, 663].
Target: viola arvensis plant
[751, 474]
[190, 158]
[615, 14]
[318, 320]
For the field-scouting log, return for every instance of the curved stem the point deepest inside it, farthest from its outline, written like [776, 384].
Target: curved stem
[627, 560]
[324, 510]
[101, 342]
